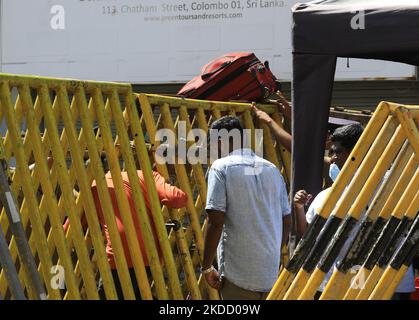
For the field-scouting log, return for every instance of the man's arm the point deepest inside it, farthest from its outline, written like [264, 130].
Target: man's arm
[169, 195]
[281, 136]
[284, 105]
[286, 228]
[212, 234]
[300, 200]
[216, 207]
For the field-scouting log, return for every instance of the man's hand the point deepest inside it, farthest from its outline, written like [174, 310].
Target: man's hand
[261, 115]
[283, 105]
[214, 280]
[301, 198]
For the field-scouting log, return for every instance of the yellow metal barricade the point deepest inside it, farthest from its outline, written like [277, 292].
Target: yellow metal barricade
[49, 134]
[58, 134]
[54, 125]
[384, 159]
[182, 116]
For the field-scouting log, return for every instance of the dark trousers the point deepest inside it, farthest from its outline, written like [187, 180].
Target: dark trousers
[230, 291]
[118, 286]
[401, 296]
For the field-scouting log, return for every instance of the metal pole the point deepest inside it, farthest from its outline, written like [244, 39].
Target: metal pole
[9, 269]
[9, 204]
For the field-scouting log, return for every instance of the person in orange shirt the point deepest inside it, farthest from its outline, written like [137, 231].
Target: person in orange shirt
[169, 196]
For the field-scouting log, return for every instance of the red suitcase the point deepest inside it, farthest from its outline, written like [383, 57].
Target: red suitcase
[235, 76]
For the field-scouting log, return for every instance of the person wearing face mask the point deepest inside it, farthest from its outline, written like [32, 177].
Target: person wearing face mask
[333, 171]
[343, 141]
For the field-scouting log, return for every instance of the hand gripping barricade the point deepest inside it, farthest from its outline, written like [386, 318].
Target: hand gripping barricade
[48, 118]
[389, 144]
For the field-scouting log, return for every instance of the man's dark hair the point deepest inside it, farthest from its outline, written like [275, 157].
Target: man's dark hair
[347, 135]
[227, 122]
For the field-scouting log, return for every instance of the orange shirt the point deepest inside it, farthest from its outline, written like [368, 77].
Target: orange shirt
[168, 195]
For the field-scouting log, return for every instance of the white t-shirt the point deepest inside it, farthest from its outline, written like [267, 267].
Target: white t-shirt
[408, 282]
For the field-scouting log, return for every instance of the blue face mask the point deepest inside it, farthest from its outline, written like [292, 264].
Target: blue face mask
[333, 171]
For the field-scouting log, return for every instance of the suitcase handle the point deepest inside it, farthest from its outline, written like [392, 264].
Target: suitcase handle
[209, 74]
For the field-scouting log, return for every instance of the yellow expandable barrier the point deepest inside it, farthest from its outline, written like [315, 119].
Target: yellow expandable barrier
[53, 119]
[386, 155]
[53, 126]
[182, 116]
